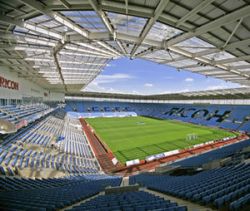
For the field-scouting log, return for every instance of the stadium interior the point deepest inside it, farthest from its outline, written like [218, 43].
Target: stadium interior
[65, 148]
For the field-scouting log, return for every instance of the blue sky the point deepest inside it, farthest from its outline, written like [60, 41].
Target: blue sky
[144, 77]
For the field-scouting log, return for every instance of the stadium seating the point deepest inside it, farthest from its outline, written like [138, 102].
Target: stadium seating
[240, 203]
[220, 187]
[137, 200]
[17, 183]
[233, 116]
[101, 114]
[215, 154]
[72, 152]
[29, 113]
[54, 140]
[51, 194]
[59, 193]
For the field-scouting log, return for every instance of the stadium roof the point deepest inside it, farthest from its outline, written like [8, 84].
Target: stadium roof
[65, 44]
[238, 93]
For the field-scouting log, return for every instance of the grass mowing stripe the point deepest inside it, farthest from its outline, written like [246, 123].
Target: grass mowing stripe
[137, 137]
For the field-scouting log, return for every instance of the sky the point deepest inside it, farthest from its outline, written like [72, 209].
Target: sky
[144, 77]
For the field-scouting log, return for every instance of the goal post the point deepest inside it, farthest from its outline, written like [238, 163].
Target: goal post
[191, 136]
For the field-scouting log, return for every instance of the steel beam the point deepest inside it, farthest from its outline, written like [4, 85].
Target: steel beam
[228, 18]
[194, 11]
[30, 26]
[159, 9]
[63, 20]
[106, 23]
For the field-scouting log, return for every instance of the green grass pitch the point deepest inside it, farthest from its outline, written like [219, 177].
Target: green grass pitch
[137, 137]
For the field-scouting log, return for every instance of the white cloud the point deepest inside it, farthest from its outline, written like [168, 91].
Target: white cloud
[96, 87]
[223, 86]
[136, 92]
[148, 85]
[166, 92]
[183, 90]
[216, 87]
[104, 79]
[97, 84]
[189, 79]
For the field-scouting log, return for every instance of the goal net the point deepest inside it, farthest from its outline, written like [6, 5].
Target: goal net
[191, 137]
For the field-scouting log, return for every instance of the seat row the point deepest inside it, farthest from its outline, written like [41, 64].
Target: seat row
[74, 141]
[24, 158]
[17, 113]
[32, 147]
[218, 187]
[216, 154]
[129, 201]
[52, 197]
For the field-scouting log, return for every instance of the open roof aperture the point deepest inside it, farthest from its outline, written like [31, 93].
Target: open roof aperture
[203, 37]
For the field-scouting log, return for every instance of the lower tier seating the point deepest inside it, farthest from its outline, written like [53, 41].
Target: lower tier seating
[223, 187]
[129, 201]
[51, 194]
[52, 143]
[61, 193]
[216, 154]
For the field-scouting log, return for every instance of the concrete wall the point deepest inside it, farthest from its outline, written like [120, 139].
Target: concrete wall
[26, 89]
[55, 96]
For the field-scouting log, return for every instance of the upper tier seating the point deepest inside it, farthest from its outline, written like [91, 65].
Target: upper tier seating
[226, 186]
[136, 200]
[29, 113]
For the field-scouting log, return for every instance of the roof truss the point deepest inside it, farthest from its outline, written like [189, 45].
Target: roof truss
[188, 36]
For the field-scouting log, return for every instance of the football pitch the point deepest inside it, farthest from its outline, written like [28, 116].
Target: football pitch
[138, 137]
